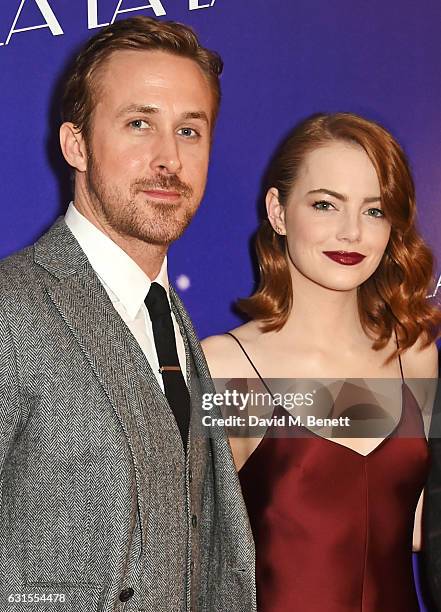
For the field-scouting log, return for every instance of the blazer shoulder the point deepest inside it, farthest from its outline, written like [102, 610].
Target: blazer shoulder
[19, 276]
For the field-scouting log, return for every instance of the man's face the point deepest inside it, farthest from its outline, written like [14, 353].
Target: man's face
[149, 143]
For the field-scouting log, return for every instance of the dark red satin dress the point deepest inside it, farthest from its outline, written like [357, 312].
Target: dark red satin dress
[333, 528]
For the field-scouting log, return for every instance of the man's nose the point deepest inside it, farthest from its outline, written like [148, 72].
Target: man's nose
[166, 157]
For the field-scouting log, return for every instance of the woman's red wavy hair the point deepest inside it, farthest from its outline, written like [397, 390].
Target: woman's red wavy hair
[394, 297]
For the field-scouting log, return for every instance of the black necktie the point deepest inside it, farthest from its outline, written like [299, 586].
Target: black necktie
[175, 388]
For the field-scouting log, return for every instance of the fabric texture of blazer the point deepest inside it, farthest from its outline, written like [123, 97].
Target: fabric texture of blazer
[99, 503]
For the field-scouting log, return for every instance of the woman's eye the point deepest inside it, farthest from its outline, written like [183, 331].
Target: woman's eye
[374, 212]
[188, 132]
[139, 124]
[323, 205]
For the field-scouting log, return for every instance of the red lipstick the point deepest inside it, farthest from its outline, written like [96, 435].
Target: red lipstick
[345, 258]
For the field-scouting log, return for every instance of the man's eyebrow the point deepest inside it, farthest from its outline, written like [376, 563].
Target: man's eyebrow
[343, 198]
[144, 109]
[197, 115]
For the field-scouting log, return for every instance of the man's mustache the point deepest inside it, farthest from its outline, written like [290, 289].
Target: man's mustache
[168, 183]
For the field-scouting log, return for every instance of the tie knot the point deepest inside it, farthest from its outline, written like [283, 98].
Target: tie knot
[156, 301]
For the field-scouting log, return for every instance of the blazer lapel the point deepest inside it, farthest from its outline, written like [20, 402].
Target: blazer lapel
[193, 348]
[177, 309]
[86, 308]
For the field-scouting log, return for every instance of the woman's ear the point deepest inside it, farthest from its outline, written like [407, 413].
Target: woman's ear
[73, 146]
[275, 211]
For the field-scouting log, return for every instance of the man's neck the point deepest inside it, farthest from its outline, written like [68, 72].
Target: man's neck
[149, 257]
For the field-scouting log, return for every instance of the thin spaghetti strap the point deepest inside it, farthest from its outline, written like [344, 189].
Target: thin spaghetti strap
[250, 361]
[399, 356]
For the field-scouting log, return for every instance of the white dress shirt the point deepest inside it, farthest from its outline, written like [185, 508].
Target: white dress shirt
[126, 284]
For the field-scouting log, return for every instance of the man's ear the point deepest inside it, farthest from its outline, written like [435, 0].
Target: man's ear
[275, 211]
[73, 146]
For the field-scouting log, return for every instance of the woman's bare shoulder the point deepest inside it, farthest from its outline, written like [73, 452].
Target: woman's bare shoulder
[420, 369]
[224, 356]
[420, 361]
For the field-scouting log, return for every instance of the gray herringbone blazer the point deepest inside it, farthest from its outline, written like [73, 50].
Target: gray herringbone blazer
[98, 501]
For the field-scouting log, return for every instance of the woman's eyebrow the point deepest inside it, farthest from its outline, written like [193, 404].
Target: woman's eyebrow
[342, 197]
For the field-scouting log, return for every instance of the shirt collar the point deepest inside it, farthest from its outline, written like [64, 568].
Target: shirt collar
[117, 271]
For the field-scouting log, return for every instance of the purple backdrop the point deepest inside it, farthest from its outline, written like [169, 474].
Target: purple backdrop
[284, 59]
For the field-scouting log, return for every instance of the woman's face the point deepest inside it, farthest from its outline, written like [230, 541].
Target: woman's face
[335, 228]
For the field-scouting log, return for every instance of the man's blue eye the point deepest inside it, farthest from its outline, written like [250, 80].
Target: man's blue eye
[189, 132]
[138, 123]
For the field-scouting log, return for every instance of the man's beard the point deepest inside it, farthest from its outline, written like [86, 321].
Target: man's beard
[150, 221]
